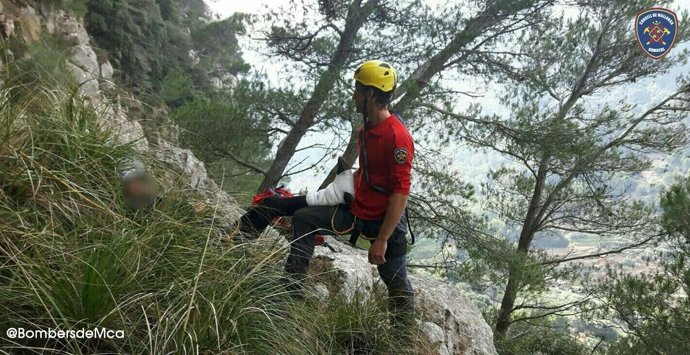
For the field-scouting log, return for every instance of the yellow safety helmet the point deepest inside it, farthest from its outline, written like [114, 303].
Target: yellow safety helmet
[378, 74]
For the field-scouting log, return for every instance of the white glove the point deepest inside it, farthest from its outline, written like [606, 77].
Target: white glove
[333, 194]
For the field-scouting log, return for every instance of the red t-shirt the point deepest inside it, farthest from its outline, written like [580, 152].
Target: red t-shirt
[390, 151]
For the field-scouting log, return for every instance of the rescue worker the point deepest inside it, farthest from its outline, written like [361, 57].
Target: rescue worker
[382, 185]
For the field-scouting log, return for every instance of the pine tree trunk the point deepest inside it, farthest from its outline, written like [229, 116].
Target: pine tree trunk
[350, 155]
[507, 304]
[356, 17]
[529, 228]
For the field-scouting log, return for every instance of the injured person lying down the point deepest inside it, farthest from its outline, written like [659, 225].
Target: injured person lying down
[281, 203]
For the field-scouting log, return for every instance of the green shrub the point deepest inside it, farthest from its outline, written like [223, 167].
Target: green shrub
[225, 132]
[176, 88]
[543, 341]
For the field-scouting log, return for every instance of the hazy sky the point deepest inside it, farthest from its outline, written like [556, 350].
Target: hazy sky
[228, 7]
[643, 93]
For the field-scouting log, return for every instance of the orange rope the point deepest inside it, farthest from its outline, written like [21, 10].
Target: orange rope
[348, 230]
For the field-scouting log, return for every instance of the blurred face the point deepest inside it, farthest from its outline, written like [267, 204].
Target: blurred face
[139, 193]
[358, 97]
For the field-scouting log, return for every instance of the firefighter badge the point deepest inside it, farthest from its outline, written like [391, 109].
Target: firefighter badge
[655, 30]
[400, 155]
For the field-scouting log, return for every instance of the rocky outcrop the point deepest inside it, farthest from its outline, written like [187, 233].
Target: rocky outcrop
[6, 24]
[83, 64]
[464, 329]
[450, 321]
[82, 61]
[114, 118]
[193, 171]
[94, 76]
[225, 81]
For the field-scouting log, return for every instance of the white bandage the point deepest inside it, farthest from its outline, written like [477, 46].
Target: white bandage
[333, 194]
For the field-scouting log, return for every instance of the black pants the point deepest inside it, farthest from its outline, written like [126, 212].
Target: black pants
[309, 221]
[260, 216]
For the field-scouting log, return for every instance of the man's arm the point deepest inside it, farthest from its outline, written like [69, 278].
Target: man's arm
[396, 207]
[399, 163]
[334, 193]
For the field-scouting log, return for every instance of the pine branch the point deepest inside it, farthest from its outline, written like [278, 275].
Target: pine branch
[209, 146]
[609, 252]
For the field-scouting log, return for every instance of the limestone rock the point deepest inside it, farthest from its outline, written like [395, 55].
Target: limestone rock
[84, 57]
[353, 270]
[229, 80]
[68, 27]
[216, 83]
[107, 71]
[463, 330]
[466, 331]
[82, 62]
[226, 81]
[114, 118]
[6, 25]
[88, 86]
[193, 170]
[436, 337]
[275, 240]
[321, 292]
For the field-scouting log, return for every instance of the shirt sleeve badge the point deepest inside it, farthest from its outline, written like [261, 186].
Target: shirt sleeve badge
[400, 155]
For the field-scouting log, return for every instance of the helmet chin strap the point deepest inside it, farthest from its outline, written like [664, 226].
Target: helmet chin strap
[365, 113]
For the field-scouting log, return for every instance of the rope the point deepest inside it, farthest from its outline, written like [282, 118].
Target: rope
[343, 232]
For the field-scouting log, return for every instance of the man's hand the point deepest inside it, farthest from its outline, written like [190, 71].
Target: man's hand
[377, 252]
[396, 206]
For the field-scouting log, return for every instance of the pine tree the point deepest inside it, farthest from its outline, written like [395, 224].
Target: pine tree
[653, 308]
[571, 146]
[339, 35]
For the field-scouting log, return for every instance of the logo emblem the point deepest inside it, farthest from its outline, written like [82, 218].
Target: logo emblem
[400, 156]
[656, 31]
